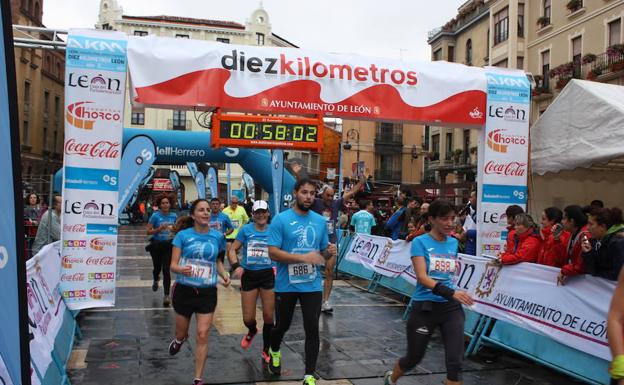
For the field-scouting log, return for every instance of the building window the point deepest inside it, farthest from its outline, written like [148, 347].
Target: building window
[488, 46]
[615, 32]
[25, 132]
[140, 33]
[502, 64]
[106, 27]
[45, 138]
[449, 145]
[469, 52]
[220, 166]
[435, 146]
[46, 104]
[520, 63]
[27, 93]
[180, 36]
[547, 9]
[545, 70]
[577, 43]
[223, 40]
[451, 53]
[466, 146]
[138, 118]
[437, 55]
[315, 168]
[520, 20]
[426, 139]
[55, 140]
[260, 38]
[501, 26]
[179, 120]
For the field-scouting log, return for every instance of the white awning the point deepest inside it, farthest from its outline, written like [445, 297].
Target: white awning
[583, 127]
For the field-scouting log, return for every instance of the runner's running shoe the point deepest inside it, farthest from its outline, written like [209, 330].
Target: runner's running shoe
[166, 301]
[387, 378]
[326, 307]
[265, 357]
[275, 362]
[198, 381]
[309, 380]
[247, 339]
[174, 346]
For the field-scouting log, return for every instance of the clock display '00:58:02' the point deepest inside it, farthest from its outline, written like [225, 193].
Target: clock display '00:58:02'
[268, 131]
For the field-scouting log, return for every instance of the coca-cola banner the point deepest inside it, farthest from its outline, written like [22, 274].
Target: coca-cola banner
[94, 99]
[191, 73]
[503, 162]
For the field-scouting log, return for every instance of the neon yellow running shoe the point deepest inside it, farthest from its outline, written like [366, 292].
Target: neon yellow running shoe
[275, 362]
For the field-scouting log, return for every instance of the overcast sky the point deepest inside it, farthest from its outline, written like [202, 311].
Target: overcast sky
[388, 28]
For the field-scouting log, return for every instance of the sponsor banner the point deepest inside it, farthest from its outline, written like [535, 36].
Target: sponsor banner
[5, 379]
[212, 181]
[527, 295]
[383, 255]
[175, 182]
[136, 160]
[249, 185]
[277, 174]
[78, 178]
[200, 184]
[94, 100]
[167, 72]
[503, 155]
[45, 305]
[13, 332]
[162, 184]
[192, 167]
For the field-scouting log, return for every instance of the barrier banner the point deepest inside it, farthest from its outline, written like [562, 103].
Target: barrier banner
[527, 295]
[173, 72]
[200, 184]
[383, 255]
[136, 161]
[94, 100]
[46, 308]
[277, 175]
[13, 328]
[503, 156]
[212, 181]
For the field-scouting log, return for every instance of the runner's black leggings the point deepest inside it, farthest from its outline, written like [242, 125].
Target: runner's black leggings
[161, 259]
[311, 311]
[424, 319]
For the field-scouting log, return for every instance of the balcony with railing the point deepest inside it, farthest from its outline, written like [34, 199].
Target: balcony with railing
[176, 124]
[390, 176]
[389, 138]
[466, 15]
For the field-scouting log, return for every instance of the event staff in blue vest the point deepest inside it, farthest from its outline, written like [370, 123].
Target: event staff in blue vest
[436, 303]
[255, 270]
[197, 259]
[159, 227]
[218, 220]
[298, 242]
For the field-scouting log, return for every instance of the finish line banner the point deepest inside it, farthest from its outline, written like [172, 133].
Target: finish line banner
[525, 295]
[94, 100]
[175, 72]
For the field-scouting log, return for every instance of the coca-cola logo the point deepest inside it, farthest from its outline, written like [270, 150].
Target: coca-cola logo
[100, 261]
[77, 277]
[68, 262]
[77, 228]
[98, 150]
[506, 169]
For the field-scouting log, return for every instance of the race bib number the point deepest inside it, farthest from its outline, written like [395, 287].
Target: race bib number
[236, 224]
[215, 225]
[442, 265]
[301, 273]
[258, 253]
[202, 273]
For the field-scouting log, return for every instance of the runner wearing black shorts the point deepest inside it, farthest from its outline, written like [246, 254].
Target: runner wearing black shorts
[436, 303]
[197, 259]
[255, 270]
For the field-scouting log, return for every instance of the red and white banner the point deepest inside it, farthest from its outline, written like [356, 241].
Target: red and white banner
[193, 73]
[162, 184]
[95, 81]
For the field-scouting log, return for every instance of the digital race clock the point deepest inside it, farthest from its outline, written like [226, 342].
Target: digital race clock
[229, 130]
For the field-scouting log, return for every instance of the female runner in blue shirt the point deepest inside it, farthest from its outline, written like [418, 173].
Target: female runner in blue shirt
[197, 259]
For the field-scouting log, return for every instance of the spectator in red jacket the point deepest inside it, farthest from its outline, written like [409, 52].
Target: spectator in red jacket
[554, 237]
[575, 222]
[511, 213]
[526, 242]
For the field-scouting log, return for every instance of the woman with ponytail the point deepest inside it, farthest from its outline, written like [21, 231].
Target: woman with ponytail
[603, 256]
[197, 259]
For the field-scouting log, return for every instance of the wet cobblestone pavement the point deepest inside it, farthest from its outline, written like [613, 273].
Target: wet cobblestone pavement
[363, 338]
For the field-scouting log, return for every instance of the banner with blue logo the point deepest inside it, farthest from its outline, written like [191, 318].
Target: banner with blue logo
[200, 183]
[277, 175]
[174, 177]
[192, 167]
[249, 185]
[95, 80]
[136, 161]
[503, 156]
[212, 181]
[13, 318]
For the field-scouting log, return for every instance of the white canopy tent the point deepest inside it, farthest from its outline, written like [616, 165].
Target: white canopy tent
[577, 148]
